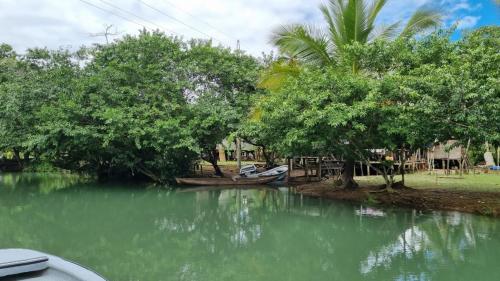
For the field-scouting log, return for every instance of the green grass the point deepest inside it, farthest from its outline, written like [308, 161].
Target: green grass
[477, 182]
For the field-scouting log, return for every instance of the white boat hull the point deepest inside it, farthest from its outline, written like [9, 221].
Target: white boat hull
[21, 264]
[280, 171]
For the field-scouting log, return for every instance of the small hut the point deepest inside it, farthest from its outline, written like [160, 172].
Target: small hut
[227, 152]
[447, 156]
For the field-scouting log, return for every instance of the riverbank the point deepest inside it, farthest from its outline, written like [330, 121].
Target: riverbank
[425, 199]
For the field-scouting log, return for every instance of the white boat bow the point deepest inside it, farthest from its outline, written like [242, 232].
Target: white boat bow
[22, 264]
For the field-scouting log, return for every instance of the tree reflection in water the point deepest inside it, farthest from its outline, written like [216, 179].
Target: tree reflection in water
[250, 234]
[439, 240]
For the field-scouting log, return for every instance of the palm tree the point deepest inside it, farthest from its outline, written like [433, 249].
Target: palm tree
[347, 21]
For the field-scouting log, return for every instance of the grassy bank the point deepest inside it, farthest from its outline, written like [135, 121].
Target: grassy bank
[471, 182]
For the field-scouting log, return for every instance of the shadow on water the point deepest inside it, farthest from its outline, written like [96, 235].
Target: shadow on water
[240, 234]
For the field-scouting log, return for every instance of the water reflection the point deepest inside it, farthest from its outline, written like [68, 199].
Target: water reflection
[250, 234]
[407, 245]
[42, 183]
[370, 212]
[439, 242]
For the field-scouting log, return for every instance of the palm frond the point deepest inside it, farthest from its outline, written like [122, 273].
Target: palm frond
[359, 18]
[423, 19]
[335, 30]
[276, 74]
[355, 20]
[384, 32]
[374, 10]
[303, 42]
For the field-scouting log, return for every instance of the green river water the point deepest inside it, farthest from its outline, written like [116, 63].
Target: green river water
[130, 233]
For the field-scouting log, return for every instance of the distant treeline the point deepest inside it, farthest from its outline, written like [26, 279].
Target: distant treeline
[150, 105]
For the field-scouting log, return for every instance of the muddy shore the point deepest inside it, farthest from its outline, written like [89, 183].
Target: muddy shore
[482, 203]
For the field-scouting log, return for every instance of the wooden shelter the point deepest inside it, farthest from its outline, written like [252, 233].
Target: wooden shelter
[309, 168]
[447, 156]
[313, 168]
[228, 151]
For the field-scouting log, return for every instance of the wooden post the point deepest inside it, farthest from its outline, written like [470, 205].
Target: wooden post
[414, 162]
[368, 170]
[319, 168]
[463, 158]
[428, 156]
[306, 167]
[289, 162]
[448, 164]
[430, 161]
[498, 155]
[238, 152]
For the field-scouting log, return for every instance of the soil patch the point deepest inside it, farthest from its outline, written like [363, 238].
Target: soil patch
[483, 203]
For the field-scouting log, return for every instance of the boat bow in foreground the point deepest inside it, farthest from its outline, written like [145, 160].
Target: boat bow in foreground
[21, 264]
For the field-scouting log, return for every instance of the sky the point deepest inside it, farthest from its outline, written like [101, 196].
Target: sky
[73, 23]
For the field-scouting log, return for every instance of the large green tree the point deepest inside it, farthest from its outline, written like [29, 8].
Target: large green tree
[460, 81]
[347, 22]
[413, 93]
[222, 86]
[10, 126]
[29, 83]
[144, 106]
[126, 116]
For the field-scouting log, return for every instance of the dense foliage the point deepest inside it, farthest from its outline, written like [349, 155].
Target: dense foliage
[346, 23]
[148, 106]
[410, 94]
[142, 106]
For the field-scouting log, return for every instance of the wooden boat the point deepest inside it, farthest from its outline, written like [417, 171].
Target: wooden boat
[224, 187]
[280, 171]
[248, 169]
[21, 264]
[226, 181]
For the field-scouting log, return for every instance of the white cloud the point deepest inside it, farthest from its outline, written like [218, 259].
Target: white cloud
[464, 5]
[467, 22]
[56, 23]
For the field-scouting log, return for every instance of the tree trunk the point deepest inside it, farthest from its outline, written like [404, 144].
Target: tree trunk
[238, 153]
[149, 174]
[402, 162]
[18, 158]
[212, 158]
[268, 157]
[217, 169]
[388, 174]
[403, 175]
[26, 157]
[102, 172]
[498, 155]
[348, 174]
